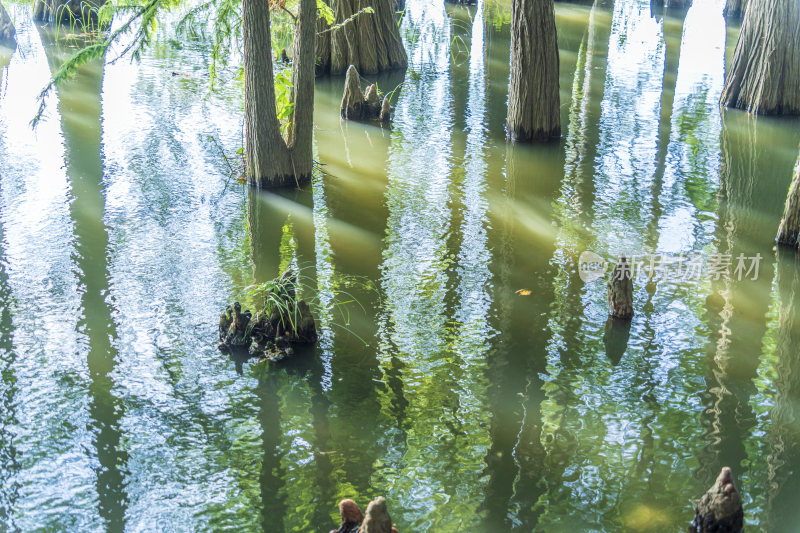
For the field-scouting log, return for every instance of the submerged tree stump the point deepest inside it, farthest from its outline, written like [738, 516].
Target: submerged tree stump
[790, 224]
[620, 290]
[272, 331]
[720, 509]
[764, 77]
[7, 32]
[369, 105]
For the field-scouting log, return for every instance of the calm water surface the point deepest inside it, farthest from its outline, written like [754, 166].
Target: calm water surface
[472, 408]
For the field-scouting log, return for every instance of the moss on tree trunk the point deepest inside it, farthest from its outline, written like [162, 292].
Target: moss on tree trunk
[765, 75]
[533, 99]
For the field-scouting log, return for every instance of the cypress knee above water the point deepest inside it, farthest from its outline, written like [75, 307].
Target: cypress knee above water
[369, 105]
[620, 291]
[720, 508]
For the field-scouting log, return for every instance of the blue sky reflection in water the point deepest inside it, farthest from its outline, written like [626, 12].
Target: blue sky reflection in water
[471, 407]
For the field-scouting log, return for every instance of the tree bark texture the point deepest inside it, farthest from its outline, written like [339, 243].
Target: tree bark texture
[533, 96]
[790, 224]
[734, 9]
[302, 128]
[765, 75]
[271, 161]
[323, 47]
[369, 41]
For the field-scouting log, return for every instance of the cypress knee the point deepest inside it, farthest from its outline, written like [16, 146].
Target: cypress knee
[720, 509]
[620, 291]
[377, 519]
[353, 98]
[359, 106]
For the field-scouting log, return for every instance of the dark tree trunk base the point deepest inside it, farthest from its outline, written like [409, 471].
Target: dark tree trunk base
[543, 136]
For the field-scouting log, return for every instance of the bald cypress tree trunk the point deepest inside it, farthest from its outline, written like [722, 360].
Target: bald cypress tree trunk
[533, 97]
[370, 41]
[302, 127]
[270, 161]
[765, 75]
[790, 225]
[734, 9]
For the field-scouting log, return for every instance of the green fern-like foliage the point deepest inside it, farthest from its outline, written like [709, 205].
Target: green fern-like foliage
[219, 21]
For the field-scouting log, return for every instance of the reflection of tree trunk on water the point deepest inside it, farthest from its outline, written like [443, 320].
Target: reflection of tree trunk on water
[265, 230]
[8, 417]
[672, 32]
[266, 220]
[83, 146]
[515, 462]
[272, 476]
[583, 127]
[540, 463]
[738, 308]
[783, 435]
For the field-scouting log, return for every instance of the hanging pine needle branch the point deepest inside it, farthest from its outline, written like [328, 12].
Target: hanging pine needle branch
[144, 14]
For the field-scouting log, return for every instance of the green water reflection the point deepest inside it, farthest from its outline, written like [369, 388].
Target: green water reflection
[470, 406]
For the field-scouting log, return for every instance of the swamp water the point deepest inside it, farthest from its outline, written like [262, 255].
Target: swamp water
[470, 406]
